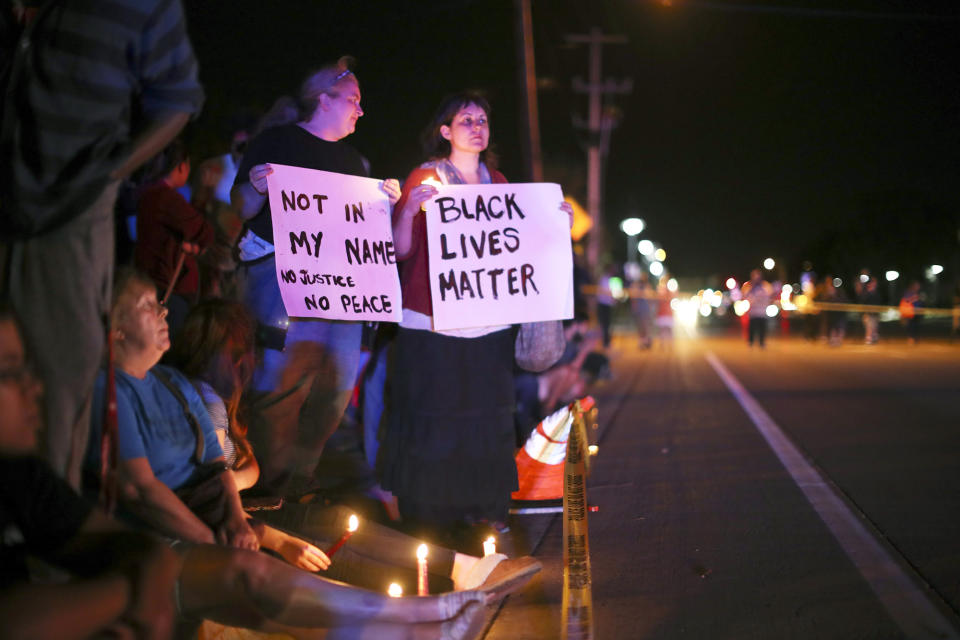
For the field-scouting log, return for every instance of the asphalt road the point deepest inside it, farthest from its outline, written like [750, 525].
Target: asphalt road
[703, 532]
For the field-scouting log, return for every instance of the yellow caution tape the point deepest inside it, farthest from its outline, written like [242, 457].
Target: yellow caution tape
[577, 611]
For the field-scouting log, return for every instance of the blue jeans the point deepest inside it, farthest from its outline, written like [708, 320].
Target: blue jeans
[302, 390]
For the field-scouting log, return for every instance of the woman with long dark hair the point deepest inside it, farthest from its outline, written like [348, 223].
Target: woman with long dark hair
[450, 443]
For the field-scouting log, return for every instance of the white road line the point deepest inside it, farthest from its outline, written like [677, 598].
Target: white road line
[899, 592]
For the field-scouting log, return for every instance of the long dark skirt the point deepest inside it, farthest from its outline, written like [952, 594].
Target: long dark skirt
[448, 454]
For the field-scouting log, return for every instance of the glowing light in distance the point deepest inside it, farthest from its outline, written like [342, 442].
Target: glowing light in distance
[892, 275]
[656, 269]
[772, 311]
[675, 304]
[936, 269]
[616, 287]
[769, 264]
[645, 247]
[740, 307]
[705, 310]
[716, 299]
[731, 284]
[672, 285]
[786, 289]
[632, 226]
[660, 255]
[864, 278]
[394, 590]
[837, 282]
[422, 552]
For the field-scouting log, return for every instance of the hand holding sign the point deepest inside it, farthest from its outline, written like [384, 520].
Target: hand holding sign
[334, 247]
[499, 254]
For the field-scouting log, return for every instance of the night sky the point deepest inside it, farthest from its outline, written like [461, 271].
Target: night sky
[797, 129]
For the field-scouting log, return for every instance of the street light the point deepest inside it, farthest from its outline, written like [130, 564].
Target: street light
[645, 247]
[769, 264]
[631, 227]
[660, 255]
[892, 276]
[656, 269]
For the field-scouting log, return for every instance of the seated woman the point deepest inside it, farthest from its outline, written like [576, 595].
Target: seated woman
[160, 433]
[215, 350]
[128, 585]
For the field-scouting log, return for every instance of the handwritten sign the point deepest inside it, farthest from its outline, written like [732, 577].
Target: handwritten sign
[499, 254]
[334, 245]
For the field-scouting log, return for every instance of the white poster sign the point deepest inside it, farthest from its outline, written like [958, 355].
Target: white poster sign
[334, 245]
[499, 254]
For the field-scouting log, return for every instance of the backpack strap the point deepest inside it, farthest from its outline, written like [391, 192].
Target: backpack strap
[162, 376]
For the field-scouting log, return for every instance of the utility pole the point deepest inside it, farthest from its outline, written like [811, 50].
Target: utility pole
[598, 128]
[528, 80]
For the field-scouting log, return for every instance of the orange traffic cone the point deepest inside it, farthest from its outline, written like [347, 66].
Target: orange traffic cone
[540, 461]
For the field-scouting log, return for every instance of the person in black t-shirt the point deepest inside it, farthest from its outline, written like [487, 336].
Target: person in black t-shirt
[309, 366]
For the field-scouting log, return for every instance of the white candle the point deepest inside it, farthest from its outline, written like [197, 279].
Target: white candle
[394, 590]
[489, 546]
[423, 588]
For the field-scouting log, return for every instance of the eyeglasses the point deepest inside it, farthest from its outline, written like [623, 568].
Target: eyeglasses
[152, 305]
[341, 75]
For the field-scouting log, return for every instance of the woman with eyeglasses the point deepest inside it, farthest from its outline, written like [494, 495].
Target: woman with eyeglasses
[450, 443]
[309, 365]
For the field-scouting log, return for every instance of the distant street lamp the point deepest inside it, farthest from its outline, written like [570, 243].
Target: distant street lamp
[769, 264]
[660, 255]
[645, 247]
[892, 292]
[656, 269]
[631, 227]
[932, 272]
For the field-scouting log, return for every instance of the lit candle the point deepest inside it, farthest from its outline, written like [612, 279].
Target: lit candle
[431, 181]
[352, 525]
[394, 590]
[489, 546]
[423, 588]
[593, 449]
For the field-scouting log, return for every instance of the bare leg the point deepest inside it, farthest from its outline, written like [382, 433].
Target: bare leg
[246, 588]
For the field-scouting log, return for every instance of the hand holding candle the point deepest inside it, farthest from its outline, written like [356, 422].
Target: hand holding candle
[423, 588]
[352, 525]
[433, 182]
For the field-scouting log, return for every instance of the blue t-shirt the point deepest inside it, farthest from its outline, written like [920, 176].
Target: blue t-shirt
[151, 424]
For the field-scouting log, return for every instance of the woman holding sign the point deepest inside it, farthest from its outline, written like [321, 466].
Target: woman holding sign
[309, 365]
[449, 451]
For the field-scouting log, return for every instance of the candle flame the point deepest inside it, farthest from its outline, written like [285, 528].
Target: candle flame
[593, 449]
[491, 540]
[422, 552]
[353, 524]
[432, 181]
[394, 590]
